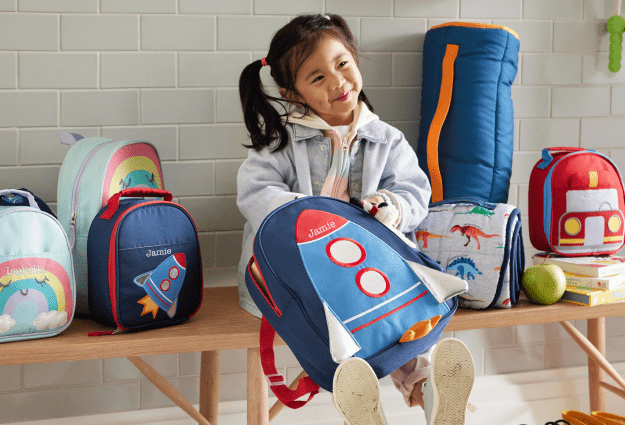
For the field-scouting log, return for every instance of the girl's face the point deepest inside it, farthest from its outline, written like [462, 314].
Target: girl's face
[329, 82]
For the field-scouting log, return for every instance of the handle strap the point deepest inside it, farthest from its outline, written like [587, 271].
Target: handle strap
[547, 157]
[444, 102]
[134, 192]
[28, 195]
[287, 396]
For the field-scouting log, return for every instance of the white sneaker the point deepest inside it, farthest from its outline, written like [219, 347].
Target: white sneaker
[446, 390]
[357, 393]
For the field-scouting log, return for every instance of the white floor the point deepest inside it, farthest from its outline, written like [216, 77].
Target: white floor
[532, 398]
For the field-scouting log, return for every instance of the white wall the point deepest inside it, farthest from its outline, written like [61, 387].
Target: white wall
[167, 71]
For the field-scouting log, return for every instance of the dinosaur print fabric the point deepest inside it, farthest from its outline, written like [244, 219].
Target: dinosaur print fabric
[479, 242]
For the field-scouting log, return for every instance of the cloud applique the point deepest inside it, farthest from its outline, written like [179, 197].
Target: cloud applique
[6, 323]
[50, 320]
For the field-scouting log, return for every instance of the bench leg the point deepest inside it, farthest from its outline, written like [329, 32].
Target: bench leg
[596, 335]
[594, 346]
[209, 385]
[257, 390]
[166, 388]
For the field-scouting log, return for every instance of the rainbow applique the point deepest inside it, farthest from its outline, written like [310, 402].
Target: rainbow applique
[35, 296]
[134, 165]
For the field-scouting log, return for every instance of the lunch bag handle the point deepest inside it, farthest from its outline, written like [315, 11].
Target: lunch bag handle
[547, 157]
[287, 396]
[133, 192]
[31, 198]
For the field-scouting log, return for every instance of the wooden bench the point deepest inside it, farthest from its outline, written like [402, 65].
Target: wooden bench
[221, 324]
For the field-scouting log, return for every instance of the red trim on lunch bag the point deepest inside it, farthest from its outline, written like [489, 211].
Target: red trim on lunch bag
[112, 266]
[287, 396]
[269, 301]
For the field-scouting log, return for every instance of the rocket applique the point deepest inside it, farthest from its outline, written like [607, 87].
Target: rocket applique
[162, 285]
[372, 296]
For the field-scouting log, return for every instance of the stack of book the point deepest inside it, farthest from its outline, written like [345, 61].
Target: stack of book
[589, 280]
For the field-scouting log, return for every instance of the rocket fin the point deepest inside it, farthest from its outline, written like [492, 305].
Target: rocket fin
[342, 343]
[172, 310]
[420, 329]
[441, 285]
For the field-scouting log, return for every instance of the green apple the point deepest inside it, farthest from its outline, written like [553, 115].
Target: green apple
[544, 283]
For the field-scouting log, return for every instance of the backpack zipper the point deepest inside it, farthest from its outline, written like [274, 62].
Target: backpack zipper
[344, 162]
[76, 193]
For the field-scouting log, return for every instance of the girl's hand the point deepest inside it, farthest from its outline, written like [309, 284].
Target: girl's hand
[383, 211]
[376, 200]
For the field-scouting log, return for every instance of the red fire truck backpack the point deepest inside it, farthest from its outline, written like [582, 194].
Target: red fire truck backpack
[576, 205]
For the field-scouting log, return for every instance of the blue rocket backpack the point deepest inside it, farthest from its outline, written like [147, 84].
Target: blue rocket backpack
[37, 289]
[93, 170]
[467, 121]
[338, 283]
[145, 268]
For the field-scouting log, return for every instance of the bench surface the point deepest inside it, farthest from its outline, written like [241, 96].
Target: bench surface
[222, 324]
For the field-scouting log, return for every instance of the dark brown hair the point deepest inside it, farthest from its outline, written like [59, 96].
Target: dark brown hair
[290, 48]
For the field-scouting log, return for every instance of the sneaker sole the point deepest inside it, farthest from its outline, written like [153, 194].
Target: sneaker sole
[452, 373]
[357, 393]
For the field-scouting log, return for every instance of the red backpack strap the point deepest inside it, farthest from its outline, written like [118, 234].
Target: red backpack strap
[287, 396]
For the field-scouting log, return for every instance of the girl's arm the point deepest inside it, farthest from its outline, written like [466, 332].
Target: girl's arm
[406, 184]
[264, 183]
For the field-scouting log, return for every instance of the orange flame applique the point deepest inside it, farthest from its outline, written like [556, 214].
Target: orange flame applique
[149, 306]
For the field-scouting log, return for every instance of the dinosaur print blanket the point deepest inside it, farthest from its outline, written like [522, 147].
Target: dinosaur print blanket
[479, 242]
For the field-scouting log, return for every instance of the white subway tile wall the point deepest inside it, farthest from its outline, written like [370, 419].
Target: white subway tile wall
[167, 71]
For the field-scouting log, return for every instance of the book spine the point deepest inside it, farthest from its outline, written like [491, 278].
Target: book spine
[575, 298]
[609, 283]
[581, 269]
[594, 298]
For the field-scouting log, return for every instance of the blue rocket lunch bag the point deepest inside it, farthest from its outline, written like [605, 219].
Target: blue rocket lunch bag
[338, 283]
[145, 267]
[37, 287]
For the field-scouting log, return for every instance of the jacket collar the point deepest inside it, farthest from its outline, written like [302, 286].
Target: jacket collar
[368, 126]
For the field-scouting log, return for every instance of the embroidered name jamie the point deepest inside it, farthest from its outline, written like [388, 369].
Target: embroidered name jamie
[319, 230]
[158, 252]
[24, 270]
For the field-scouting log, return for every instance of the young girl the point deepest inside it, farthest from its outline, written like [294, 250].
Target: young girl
[327, 141]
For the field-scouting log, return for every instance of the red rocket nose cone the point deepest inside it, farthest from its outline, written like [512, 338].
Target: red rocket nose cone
[315, 224]
[181, 259]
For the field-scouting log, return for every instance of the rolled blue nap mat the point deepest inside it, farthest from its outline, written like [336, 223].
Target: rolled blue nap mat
[466, 136]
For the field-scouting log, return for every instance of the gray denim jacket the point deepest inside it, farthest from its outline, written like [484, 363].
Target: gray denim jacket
[381, 158]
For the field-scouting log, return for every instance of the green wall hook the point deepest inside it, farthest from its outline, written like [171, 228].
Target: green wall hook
[616, 27]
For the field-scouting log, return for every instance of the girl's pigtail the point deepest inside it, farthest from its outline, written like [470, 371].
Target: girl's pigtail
[261, 119]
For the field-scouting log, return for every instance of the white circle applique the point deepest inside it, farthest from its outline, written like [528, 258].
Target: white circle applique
[165, 285]
[173, 273]
[346, 252]
[373, 282]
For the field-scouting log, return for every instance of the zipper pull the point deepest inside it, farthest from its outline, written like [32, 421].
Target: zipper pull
[118, 330]
[72, 230]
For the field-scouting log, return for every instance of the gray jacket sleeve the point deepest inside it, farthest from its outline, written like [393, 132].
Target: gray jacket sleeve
[404, 179]
[264, 183]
